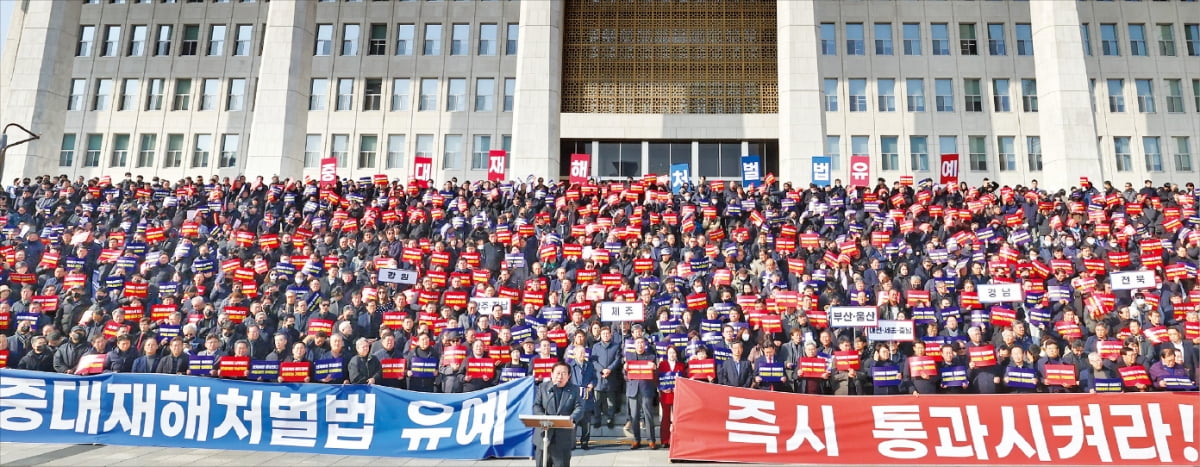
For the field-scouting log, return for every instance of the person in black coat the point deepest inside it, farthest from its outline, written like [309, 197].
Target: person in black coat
[120, 359]
[478, 351]
[735, 371]
[364, 368]
[424, 350]
[557, 397]
[176, 362]
[640, 394]
[40, 358]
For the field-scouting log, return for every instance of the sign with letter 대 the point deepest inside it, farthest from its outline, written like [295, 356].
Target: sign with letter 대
[728, 424]
[295, 418]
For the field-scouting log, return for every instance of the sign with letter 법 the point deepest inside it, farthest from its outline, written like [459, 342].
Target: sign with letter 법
[1066, 429]
[184, 411]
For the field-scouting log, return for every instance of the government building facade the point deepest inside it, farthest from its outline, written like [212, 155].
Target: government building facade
[1047, 90]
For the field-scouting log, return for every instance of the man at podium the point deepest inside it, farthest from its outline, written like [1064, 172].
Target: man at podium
[557, 397]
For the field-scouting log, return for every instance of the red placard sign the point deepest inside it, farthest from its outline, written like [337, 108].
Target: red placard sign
[860, 171]
[394, 368]
[294, 372]
[542, 367]
[422, 169]
[640, 369]
[706, 368]
[581, 168]
[496, 159]
[328, 174]
[714, 423]
[234, 367]
[949, 169]
[481, 368]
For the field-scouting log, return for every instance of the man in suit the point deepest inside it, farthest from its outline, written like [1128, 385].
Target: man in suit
[557, 397]
[640, 394]
[735, 371]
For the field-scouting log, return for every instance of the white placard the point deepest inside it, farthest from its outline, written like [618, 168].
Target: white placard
[892, 330]
[622, 311]
[999, 293]
[486, 304]
[1130, 280]
[853, 316]
[397, 276]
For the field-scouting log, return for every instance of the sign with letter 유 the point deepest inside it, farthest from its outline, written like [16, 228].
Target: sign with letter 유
[999, 293]
[621, 311]
[730, 424]
[581, 168]
[822, 170]
[190, 411]
[397, 276]
[949, 169]
[1130, 280]
[853, 316]
[751, 170]
[860, 171]
[496, 159]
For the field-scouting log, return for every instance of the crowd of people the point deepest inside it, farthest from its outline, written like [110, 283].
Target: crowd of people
[736, 285]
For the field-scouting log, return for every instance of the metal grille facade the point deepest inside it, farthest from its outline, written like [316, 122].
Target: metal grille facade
[670, 57]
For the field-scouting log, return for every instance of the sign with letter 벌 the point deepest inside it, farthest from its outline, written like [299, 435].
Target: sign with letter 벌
[777, 428]
[186, 411]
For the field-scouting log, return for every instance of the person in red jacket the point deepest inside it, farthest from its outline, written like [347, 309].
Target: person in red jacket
[666, 397]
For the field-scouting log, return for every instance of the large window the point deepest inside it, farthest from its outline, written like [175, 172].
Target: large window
[480, 146]
[216, 39]
[146, 149]
[977, 145]
[1183, 153]
[972, 95]
[510, 39]
[395, 151]
[947, 145]
[460, 36]
[129, 94]
[1166, 39]
[943, 95]
[66, 152]
[887, 94]
[719, 160]
[918, 147]
[883, 38]
[318, 94]
[452, 152]
[1191, 33]
[485, 94]
[940, 34]
[663, 155]
[78, 94]
[1029, 97]
[210, 89]
[1033, 146]
[828, 39]
[433, 39]
[104, 89]
[829, 94]
[1145, 95]
[1024, 40]
[833, 149]
[915, 90]
[889, 152]
[1137, 40]
[243, 41]
[456, 95]
[860, 145]
[428, 97]
[1175, 96]
[350, 35]
[487, 39]
[405, 34]
[858, 95]
[312, 150]
[112, 41]
[137, 41]
[968, 43]
[236, 100]
[1116, 95]
[95, 142]
[174, 156]
[1007, 152]
[191, 40]
[1085, 36]
[1001, 100]
[345, 94]
[510, 94]
[1108, 40]
[912, 38]
[401, 94]
[854, 39]
[340, 150]
[154, 94]
[1152, 147]
[996, 40]
[162, 46]
[1123, 155]
[229, 149]
[424, 146]
[620, 159]
[87, 37]
[373, 94]
[201, 150]
[368, 148]
[377, 42]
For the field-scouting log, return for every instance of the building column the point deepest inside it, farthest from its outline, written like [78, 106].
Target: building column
[538, 106]
[801, 120]
[281, 102]
[38, 58]
[1066, 120]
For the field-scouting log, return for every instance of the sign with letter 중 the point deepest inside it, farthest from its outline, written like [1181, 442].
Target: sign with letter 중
[621, 311]
[726, 424]
[822, 170]
[225, 414]
[397, 276]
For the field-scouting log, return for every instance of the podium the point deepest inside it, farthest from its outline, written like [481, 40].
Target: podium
[546, 423]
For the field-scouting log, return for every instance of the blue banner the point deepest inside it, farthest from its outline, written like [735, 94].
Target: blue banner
[751, 170]
[181, 411]
[680, 177]
[822, 170]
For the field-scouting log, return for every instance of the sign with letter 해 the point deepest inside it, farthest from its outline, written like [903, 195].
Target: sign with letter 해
[496, 160]
[860, 171]
[680, 177]
[397, 276]
[751, 171]
[188, 411]
[949, 169]
[621, 311]
[822, 170]
[581, 168]
[422, 169]
[729, 424]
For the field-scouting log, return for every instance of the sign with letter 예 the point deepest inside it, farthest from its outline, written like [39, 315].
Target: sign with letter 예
[949, 168]
[397, 276]
[182, 411]
[496, 159]
[581, 168]
[822, 170]
[422, 169]
[860, 171]
[777, 428]
[621, 311]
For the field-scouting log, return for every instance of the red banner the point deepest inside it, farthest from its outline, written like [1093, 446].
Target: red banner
[328, 174]
[1076, 429]
[860, 171]
[422, 169]
[949, 168]
[581, 168]
[496, 159]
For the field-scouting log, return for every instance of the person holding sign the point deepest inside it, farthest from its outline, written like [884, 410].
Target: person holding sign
[1097, 374]
[298, 360]
[883, 371]
[640, 389]
[736, 371]
[769, 370]
[480, 369]
[1019, 375]
[557, 397]
[1052, 358]
[1169, 374]
[422, 364]
[668, 369]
